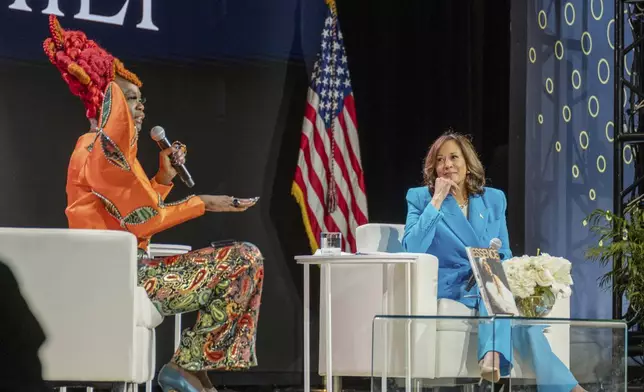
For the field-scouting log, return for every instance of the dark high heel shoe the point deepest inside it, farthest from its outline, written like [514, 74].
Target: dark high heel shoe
[171, 380]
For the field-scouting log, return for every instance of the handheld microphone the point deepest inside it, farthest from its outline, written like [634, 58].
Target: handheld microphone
[495, 244]
[158, 135]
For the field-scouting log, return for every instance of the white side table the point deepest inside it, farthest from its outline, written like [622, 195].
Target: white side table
[167, 250]
[157, 251]
[326, 262]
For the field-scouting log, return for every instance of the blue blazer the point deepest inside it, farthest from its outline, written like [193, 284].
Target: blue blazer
[446, 232]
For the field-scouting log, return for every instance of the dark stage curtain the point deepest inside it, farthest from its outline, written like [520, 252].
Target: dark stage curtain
[418, 68]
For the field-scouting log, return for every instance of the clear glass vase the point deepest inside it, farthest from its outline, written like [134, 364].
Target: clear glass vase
[538, 305]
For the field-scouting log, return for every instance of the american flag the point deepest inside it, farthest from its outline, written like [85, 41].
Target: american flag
[329, 182]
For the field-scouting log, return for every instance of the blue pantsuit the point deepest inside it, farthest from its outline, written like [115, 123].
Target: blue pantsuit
[445, 233]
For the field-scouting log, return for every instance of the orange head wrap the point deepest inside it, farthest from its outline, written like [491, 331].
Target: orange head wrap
[86, 67]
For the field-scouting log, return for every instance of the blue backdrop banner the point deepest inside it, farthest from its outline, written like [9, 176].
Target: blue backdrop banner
[569, 135]
[175, 30]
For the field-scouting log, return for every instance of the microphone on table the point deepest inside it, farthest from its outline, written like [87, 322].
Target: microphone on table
[158, 135]
[495, 244]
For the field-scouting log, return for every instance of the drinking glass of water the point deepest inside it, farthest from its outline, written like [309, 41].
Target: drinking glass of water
[331, 243]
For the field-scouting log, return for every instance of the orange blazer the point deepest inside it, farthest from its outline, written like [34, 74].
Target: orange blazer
[108, 189]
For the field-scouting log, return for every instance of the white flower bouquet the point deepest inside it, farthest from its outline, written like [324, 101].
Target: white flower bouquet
[537, 281]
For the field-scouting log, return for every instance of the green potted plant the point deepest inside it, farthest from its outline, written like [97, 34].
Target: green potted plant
[620, 238]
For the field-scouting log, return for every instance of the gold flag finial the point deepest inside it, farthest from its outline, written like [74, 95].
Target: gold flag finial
[331, 4]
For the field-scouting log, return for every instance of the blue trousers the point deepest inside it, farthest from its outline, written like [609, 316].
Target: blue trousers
[533, 348]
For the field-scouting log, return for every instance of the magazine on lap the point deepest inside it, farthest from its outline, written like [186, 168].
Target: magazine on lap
[492, 281]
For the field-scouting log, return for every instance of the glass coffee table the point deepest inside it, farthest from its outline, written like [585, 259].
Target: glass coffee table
[415, 352]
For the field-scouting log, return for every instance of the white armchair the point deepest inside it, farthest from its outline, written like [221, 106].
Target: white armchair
[357, 293]
[82, 287]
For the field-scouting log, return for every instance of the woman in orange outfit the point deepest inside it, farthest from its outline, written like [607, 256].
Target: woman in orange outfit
[107, 189]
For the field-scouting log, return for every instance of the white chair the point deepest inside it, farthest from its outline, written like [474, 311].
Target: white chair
[82, 287]
[443, 352]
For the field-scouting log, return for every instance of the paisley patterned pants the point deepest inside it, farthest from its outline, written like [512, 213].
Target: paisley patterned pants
[225, 286]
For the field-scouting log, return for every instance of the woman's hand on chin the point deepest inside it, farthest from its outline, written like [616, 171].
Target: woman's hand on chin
[442, 187]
